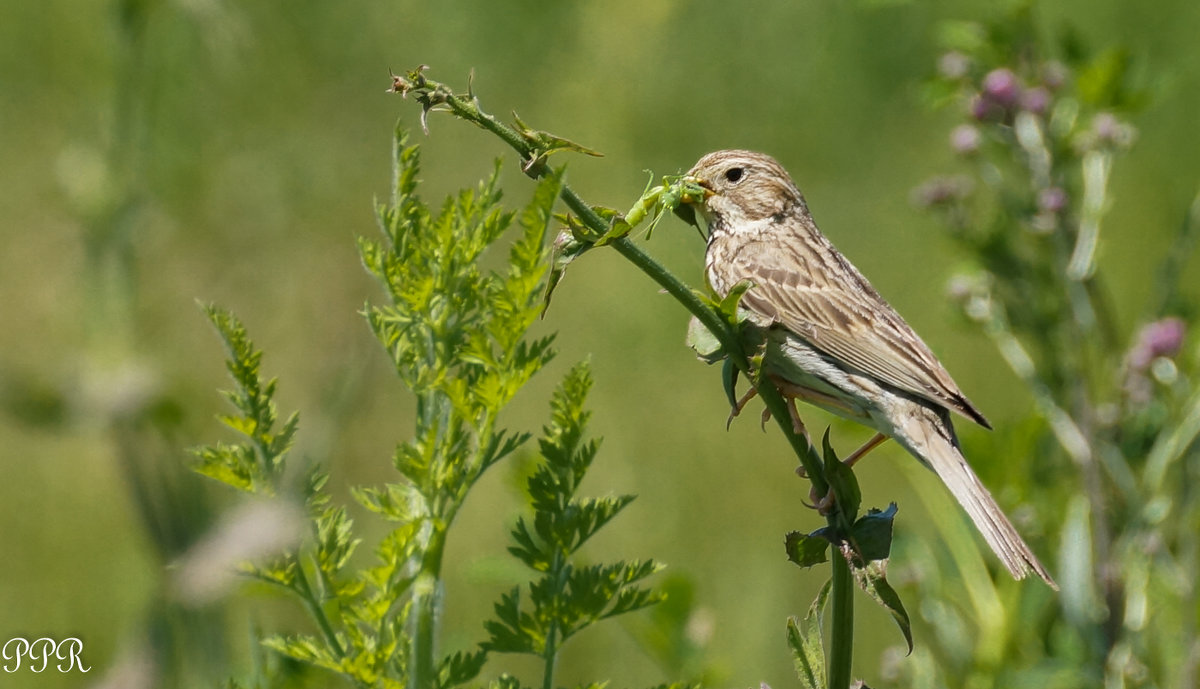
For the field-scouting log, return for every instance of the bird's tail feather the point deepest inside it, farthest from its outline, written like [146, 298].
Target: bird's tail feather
[930, 437]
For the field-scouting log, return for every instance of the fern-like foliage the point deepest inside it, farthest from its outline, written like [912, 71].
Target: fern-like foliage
[455, 333]
[568, 596]
[253, 465]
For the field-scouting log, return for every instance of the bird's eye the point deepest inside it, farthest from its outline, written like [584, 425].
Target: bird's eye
[733, 174]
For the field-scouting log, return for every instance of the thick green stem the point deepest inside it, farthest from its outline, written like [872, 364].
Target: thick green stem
[841, 629]
[426, 602]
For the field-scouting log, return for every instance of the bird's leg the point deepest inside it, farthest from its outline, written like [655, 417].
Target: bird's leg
[862, 451]
[817, 398]
[741, 404]
[797, 423]
[825, 504]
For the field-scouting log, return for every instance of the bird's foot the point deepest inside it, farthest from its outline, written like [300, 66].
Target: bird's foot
[741, 404]
[823, 505]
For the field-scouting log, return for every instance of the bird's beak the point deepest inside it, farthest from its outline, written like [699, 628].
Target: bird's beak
[694, 191]
[698, 188]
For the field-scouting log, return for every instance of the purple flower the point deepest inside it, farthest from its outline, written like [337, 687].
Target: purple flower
[1161, 338]
[964, 139]
[1108, 131]
[1001, 87]
[1036, 100]
[1052, 199]
[985, 109]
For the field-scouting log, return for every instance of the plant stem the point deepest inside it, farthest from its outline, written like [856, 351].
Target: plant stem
[841, 629]
[318, 613]
[426, 601]
[435, 93]
[430, 94]
[560, 571]
[551, 657]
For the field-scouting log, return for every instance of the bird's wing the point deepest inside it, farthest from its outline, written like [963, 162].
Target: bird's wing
[823, 299]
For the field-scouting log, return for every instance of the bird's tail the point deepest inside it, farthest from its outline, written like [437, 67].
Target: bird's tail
[929, 435]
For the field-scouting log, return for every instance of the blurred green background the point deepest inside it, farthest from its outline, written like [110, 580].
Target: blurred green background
[236, 149]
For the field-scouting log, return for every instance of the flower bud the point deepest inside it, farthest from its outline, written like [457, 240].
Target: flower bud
[1052, 199]
[1001, 87]
[984, 109]
[1162, 338]
[1036, 100]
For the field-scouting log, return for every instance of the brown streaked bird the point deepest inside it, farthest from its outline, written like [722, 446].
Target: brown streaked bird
[831, 340]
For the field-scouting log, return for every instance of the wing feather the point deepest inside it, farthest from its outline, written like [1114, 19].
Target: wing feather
[809, 296]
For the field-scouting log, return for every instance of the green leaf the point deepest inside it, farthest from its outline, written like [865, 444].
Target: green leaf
[512, 631]
[806, 550]
[729, 376]
[567, 598]
[706, 345]
[567, 247]
[281, 571]
[547, 143]
[728, 305]
[873, 533]
[460, 668]
[842, 480]
[335, 540]
[872, 579]
[256, 465]
[399, 502]
[804, 639]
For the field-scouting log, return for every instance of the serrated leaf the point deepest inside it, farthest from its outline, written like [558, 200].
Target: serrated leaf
[399, 502]
[335, 540]
[806, 550]
[257, 465]
[511, 631]
[804, 639]
[460, 668]
[280, 571]
[503, 444]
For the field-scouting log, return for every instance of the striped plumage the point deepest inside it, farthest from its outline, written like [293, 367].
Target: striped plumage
[832, 340]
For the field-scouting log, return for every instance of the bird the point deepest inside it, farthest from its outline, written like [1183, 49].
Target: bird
[831, 340]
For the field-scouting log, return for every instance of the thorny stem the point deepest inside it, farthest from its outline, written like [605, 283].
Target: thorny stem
[431, 94]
